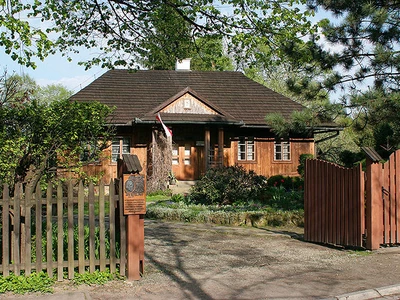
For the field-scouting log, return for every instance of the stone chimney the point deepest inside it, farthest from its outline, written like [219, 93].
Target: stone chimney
[182, 65]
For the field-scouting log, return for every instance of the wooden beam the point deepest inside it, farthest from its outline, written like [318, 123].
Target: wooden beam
[374, 218]
[207, 147]
[221, 147]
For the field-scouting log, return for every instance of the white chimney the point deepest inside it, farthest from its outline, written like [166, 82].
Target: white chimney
[182, 65]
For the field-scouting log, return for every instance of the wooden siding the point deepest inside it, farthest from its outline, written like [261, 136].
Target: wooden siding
[194, 106]
[264, 164]
[108, 169]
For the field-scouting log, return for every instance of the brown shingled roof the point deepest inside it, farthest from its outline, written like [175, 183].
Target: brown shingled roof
[137, 94]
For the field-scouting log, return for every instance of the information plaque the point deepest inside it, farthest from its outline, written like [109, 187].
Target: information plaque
[134, 194]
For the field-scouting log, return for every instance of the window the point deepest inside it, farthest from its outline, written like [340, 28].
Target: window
[282, 151]
[186, 159]
[90, 152]
[246, 150]
[119, 146]
[175, 154]
[186, 155]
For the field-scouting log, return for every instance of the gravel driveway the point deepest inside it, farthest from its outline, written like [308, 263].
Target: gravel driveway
[202, 261]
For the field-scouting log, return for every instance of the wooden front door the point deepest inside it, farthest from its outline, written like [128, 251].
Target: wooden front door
[186, 161]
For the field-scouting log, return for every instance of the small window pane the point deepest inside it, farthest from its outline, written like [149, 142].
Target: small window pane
[187, 150]
[187, 161]
[282, 151]
[175, 150]
[175, 161]
[119, 146]
[246, 150]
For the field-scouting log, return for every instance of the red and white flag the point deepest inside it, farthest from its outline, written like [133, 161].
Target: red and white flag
[168, 131]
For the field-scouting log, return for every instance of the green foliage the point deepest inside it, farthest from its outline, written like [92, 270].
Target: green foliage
[300, 124]
[209, 55]
[36, 282]
[252, 214]
[350, 159]
[281, 198]
[158, 195]
[42, 283]
[133, 30]
[302, 162]
[159, 52]
[85, 249]
[365, 36]
[227, 185]
[95, 278]
[177, 198]
[38, 136]
[52, 92]
[287, 182]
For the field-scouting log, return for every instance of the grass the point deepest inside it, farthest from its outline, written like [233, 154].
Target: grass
[155, 198]
[42, 283]
[245, 215]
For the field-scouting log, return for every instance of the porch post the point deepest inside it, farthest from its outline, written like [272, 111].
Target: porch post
[221, 147]
[374, 221]
[153, 143]
[207, 147]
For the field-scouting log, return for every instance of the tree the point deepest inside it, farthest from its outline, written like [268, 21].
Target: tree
[366, 40]
[124, 31]
[38, 136]
[209, 55]
[170, 39]
[356, 55]
[52, 92]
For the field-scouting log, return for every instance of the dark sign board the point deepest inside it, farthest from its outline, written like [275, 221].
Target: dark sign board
[134, 194]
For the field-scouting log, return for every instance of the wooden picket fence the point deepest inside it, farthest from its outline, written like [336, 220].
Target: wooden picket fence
[62, 232]
[350, 207]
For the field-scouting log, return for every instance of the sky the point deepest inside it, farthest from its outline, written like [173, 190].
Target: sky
[55, 69]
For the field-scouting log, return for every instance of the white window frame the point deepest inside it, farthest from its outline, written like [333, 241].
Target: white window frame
[246, 150]
[124, 147]
[282, 151]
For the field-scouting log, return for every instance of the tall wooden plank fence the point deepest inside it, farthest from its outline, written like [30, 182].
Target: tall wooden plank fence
[383, 201]
[62, 232]
[333, 204]
[351, 208]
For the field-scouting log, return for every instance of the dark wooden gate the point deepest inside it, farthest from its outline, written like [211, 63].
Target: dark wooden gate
[334, 204]
[351, 208]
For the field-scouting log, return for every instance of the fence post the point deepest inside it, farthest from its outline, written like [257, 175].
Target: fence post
[374, 204]
[134, 208]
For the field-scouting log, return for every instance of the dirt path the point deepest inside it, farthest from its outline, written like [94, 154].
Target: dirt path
[199, 261]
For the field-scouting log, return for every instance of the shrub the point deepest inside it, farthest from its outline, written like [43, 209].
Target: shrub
[253, 215]
[302, 163]
[20, 284]
[97, 277]
[227, 185]
[282, 199]
[287, 182]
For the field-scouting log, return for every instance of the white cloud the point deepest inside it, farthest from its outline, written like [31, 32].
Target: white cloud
[74, 83]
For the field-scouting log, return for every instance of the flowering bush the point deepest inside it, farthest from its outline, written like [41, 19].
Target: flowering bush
[289, 183]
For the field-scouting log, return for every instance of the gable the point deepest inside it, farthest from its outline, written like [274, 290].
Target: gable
[188, 104]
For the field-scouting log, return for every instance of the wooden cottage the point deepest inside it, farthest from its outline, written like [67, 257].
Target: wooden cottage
[216, 118]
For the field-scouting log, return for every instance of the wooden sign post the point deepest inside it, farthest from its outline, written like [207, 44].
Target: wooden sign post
[134, 206]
